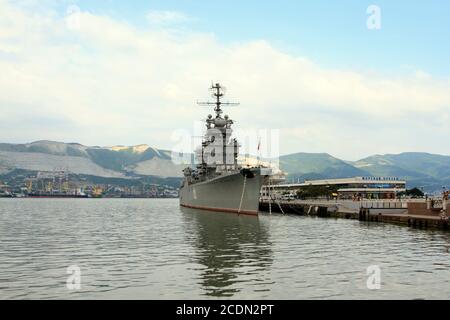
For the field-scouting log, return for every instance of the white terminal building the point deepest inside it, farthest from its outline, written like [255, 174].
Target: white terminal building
[347, 188]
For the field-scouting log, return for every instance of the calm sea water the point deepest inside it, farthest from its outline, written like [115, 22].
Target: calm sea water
[152, 249]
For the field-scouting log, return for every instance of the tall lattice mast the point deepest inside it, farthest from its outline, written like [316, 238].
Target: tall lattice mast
[218, 92]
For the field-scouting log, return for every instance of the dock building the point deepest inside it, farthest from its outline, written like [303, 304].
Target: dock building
[343, 188]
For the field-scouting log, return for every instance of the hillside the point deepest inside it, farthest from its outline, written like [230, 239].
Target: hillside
[408, 164]
[317, 165]
[428, 171]
[108, 162]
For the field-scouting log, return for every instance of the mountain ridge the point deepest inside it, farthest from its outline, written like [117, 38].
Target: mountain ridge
[420, 169]
[77, 158]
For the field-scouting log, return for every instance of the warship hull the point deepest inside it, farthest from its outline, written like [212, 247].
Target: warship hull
[234, 192]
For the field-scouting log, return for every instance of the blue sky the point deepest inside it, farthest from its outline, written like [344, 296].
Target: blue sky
[130, 72]
[413, 34]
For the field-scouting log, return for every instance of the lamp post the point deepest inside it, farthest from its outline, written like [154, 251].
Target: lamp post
[444, 204]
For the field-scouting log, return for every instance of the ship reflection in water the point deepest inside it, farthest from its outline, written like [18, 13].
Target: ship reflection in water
[233, 249]
[148, 249]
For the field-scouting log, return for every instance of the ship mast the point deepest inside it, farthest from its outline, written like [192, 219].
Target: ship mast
[218, 93]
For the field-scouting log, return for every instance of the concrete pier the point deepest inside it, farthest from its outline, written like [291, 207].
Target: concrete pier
[413, 213]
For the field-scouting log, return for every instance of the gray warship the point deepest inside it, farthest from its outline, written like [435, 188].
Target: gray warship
[217, 182]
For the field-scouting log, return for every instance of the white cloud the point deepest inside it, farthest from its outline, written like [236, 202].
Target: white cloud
[167, 17]
[112, 83]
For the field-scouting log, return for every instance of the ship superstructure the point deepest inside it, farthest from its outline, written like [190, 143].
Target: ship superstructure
[218, 182]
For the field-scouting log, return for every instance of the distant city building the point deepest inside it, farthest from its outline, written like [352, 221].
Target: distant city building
[5, 190]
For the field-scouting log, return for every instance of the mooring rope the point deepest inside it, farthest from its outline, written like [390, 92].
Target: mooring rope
[270, 199]
[297, 211]
[242, 195]
[281, 209]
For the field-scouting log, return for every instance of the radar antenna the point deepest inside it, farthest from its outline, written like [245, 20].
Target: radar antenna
[218, 92]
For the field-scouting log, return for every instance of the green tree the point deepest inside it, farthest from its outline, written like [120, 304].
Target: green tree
[415, 192]
[316, 192]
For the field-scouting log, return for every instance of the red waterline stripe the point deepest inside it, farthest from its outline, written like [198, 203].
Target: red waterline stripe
[247, 212]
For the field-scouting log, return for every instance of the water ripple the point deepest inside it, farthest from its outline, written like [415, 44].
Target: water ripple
[150, 249]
